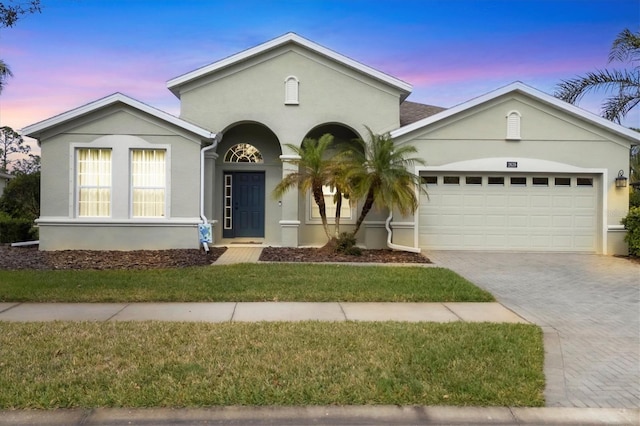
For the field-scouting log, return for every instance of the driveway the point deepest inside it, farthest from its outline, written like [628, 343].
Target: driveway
[589, 309]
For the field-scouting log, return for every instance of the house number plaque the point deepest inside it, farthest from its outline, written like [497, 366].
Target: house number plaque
[512, 164]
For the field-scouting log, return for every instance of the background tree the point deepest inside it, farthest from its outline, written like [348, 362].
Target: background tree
[5, 73]
[21, 197]
[624, 85]
[10, 143]
[27, 165]
[314, 171]
[380, 173]
[10, 12]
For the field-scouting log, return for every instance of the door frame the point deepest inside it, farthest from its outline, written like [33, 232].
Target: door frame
[229, 229]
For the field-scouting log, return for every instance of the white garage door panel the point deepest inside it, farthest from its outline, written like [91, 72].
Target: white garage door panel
[505, 217]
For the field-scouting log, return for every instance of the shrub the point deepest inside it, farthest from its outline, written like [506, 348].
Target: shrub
[632, 224]
[15, 230]
[634, 198]
[346, 244]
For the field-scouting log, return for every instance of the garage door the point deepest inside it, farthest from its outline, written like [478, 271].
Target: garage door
[467, 211]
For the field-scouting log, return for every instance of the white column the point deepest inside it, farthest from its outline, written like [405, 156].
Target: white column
[289, 218]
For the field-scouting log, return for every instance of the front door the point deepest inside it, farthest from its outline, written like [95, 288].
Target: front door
[244, 210]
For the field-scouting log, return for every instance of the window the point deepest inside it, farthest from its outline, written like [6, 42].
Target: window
[540, 181]
[330, 205]
[451, 180]
[94, 182]
[148, 182]
[563, 181]
[291, 84]
[430, 180]
[473, 180]
[513, 126]
[243, 153]
[585, 181]
[518, 181]
[496, 180]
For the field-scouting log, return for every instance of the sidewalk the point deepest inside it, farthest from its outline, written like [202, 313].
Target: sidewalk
[258, 311]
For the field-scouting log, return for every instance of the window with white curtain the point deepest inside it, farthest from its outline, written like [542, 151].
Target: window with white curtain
[94, 182]
[148, 182]
[346, 212]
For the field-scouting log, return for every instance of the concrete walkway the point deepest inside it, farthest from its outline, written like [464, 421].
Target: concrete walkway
[239, 255]
[258, 311]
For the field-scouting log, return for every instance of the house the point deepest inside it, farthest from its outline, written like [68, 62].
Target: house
[514, 169]
[4, 181]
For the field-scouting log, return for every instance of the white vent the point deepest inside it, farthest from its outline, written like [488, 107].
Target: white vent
[291, 90]
[513, 126]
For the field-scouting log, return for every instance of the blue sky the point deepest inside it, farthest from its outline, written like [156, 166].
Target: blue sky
[77, 51]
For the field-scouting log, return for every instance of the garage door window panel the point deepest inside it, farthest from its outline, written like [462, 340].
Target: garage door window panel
[496, 180]
[540, 181]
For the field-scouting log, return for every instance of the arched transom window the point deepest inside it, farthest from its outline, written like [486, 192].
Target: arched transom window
[243, 153]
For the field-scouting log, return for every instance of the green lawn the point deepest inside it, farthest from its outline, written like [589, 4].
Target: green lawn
[243, 283]
[151, 364]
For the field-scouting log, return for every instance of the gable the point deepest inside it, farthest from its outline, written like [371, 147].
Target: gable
[256, 90]
[101, 109]
[286, 41]
[542, 118]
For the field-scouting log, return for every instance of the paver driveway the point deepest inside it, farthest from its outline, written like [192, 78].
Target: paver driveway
[589, 309]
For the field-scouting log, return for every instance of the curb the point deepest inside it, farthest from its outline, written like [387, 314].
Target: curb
[324, 415]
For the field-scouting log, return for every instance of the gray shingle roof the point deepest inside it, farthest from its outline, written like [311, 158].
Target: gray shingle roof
[410, 112]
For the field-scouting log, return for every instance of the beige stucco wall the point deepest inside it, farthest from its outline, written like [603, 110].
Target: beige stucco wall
[120, 129]
[254, 91]
[546, 134]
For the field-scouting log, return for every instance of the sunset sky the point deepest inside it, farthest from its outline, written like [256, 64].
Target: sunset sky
[77, 51]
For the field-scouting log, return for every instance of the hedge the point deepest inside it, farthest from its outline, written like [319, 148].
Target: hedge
[16, 230]
[632, 223]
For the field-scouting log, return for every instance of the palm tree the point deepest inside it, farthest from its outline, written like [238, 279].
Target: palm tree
[314, 171]
[380, 173]
[624, 84]
[5, 73]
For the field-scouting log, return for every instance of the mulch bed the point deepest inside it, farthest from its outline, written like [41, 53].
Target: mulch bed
[291, 254]
[14, 258]
[31, 258]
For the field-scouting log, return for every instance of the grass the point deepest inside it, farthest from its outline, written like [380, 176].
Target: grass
[243, 283]
[154, 364]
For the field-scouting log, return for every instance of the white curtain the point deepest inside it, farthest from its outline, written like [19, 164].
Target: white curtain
[94, 182]
[148, 182]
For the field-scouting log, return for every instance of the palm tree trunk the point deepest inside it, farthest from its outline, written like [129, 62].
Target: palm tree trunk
[368, 204]
[338, 209]
[318, 196]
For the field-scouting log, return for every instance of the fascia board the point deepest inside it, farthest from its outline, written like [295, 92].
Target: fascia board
[531, 92]
[34, 129]
[175, 83]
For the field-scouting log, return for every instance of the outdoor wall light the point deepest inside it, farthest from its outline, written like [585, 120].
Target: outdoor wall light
[621, 180]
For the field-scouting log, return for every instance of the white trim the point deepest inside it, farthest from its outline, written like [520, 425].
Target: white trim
[36, 129]
[175, 83]
[289, 223]
[616, 228]
[518, 87]
[290, 157]
[65, 221]
[499, 164]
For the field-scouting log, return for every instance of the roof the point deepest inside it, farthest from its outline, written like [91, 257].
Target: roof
[35, 130]
[294, 39]
[410, 112]
[519, 87]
